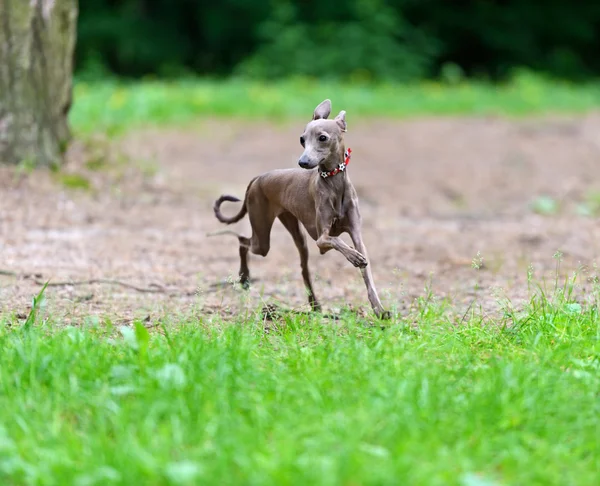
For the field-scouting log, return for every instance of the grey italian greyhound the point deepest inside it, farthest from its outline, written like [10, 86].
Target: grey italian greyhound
[319, 195]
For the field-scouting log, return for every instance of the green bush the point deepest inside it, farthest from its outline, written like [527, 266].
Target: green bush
[375, 41]
[365, 39]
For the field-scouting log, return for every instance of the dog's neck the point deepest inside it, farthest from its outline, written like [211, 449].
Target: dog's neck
[339, 167]
[336, 184]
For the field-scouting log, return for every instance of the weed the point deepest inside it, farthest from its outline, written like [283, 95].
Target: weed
[74, 181]
[591, 205]
[37, 305]
[545, 205]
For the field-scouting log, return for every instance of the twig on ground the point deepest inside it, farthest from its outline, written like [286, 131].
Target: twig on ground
[155, 288]
[152, 289]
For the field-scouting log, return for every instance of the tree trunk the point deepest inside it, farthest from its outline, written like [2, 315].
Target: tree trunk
[37, 38]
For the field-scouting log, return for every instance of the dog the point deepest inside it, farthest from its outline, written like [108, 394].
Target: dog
[318, 196]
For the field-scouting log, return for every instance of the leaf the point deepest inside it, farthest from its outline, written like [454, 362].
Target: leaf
[171, 375]
[74, 333]
[38, 303]
[375, 450]
[102, 475]
[129, 337]
[121, 372]
[121, 390]
[6, 443]
[573, 308]
[142, 335]
[182, 472]
[471, 479]
[545, 205]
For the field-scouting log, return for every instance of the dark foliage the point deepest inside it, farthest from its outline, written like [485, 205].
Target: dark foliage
[365, 39]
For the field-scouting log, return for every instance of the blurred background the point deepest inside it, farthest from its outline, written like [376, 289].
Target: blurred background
[393, 40]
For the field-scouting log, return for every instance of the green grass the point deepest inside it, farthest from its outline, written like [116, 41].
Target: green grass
[116, 106]
[452, 401]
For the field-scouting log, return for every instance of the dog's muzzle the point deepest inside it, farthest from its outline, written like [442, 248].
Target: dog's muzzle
[305, 163]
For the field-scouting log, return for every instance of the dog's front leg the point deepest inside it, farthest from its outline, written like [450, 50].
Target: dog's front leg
[356, 236]
[326, 242]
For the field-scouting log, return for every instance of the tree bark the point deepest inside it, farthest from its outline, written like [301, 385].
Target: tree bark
[37, 39]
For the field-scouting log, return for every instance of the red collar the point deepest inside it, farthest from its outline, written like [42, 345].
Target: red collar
[339, 168]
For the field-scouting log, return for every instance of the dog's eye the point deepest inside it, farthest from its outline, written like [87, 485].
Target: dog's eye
[322, 138]
[302, 141]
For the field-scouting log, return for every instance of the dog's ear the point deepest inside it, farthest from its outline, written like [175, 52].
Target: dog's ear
[323, 110]
[341, 120]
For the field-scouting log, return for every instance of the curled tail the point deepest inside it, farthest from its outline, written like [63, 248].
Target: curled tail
[232, 219]
[238, 216]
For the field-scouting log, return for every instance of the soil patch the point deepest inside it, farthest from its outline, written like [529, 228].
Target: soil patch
[438, 197]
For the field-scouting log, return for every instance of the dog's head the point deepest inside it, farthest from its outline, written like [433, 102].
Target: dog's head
[323, 139]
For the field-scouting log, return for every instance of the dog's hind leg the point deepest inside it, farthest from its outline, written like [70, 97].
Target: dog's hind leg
[261, 217]
[293, 226]
[244, 272]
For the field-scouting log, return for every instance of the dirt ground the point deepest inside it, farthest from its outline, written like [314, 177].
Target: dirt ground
[436, 194]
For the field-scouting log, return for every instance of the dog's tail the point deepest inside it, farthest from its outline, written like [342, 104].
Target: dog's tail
[238, 216]
[232, 219]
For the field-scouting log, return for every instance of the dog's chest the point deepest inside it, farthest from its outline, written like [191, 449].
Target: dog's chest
[342, 209]
[339, 225]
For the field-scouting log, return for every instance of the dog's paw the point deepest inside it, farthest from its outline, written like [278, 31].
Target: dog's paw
[357, 259]
[316, 307]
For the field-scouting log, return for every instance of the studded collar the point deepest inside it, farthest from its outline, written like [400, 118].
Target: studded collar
[340, 168]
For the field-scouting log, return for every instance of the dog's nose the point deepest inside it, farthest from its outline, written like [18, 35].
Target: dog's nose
[303, 162]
